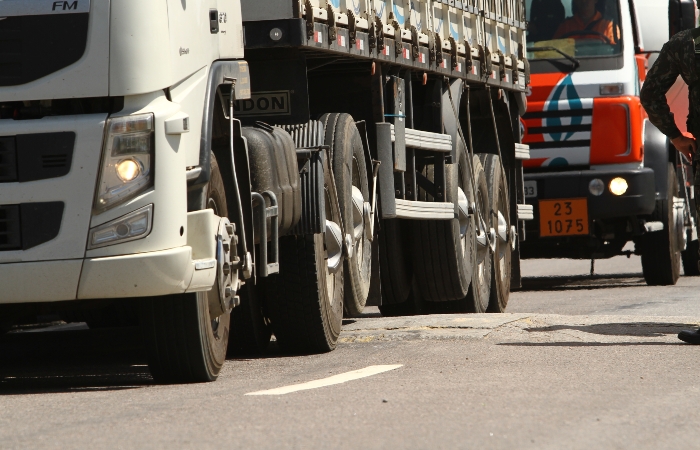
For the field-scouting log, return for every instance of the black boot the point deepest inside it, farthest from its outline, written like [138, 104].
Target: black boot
[691, 337]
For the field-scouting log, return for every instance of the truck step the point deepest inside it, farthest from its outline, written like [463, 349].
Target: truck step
[652, 227]
[425, 140]
[526, 212]
[410, 209]
[522, 151]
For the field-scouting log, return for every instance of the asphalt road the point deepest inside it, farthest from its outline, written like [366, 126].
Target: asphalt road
[578, 362]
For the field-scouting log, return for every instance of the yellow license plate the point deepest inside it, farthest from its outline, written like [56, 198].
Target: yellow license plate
[564, 217]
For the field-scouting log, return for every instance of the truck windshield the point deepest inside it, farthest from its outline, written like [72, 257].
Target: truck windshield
[577, 28]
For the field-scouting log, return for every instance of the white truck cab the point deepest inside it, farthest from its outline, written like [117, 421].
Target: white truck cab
[102, 107]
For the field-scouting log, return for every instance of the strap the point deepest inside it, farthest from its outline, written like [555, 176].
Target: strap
[592, 25]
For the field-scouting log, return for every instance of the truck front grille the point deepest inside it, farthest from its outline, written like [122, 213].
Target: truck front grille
[8, 160]
[32, 157]
[32, 47]
[559, 128]
[10, 237]
[27, 225]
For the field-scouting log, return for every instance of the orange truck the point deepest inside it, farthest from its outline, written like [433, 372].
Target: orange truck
[600, 174]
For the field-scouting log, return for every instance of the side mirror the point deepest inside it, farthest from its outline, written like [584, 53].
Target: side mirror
[681, 14]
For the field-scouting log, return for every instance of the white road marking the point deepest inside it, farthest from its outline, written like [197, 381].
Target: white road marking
[335, 379]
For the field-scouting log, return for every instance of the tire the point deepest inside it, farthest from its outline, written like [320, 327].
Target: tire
[305, 301]
[691, 259]
[443, 256]
[184, 343]
[661, 255]
[305, 318]
[250, 329]
[350, 170]
[499, 216]
[477, 299]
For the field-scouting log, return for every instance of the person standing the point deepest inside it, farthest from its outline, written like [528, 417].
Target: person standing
[680, 56]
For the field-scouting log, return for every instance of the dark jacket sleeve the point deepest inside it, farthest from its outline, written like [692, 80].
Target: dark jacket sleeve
[659, 80]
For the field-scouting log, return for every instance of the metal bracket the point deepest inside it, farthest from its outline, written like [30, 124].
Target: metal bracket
[247, 258]
[378, 34]
[332, 31]
[264, 212]
[352, 28]
[453, 52]
[309, 19]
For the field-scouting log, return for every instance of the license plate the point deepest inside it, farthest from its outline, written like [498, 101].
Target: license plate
[530, 189]
[564, 217]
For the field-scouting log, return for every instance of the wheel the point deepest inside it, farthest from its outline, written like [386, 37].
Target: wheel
[443, 251]
[350, 172]
[250, 331]
[184, 343]
[661, 254]
[499, 217]
[691, 259]
[305, 300]
[186, 335]
[477, 299]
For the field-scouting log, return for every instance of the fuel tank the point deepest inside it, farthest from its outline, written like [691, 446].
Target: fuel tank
[273, 167]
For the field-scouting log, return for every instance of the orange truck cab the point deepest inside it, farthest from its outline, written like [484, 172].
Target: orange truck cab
[600, 174]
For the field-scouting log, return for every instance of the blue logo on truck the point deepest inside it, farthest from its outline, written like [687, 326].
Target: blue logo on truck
[564, 92]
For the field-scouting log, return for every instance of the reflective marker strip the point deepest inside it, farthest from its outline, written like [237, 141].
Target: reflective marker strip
[14, 8]
[330, 381]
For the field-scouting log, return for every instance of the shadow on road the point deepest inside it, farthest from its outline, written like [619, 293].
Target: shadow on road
[586, 344]
[640, 329]
[72, 361]
[582, 282]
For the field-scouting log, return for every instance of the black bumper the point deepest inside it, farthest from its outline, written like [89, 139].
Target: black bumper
[640, 198]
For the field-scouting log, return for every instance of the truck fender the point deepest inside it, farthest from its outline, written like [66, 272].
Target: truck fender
[657, 157]
[196, 187]
[219, 70]
[273, 167]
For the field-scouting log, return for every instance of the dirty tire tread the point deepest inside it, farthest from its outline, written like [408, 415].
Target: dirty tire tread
[442, 272]
[659, 266]
[691, 259]
[297, 309]
[345, 143]
[495, 180]
[477, 298]
[173, 341]
[180, 343]
[250, 333]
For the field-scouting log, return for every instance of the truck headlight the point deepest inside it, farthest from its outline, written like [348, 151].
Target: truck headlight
[618, 186]
[135, 225]
[127, 160]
